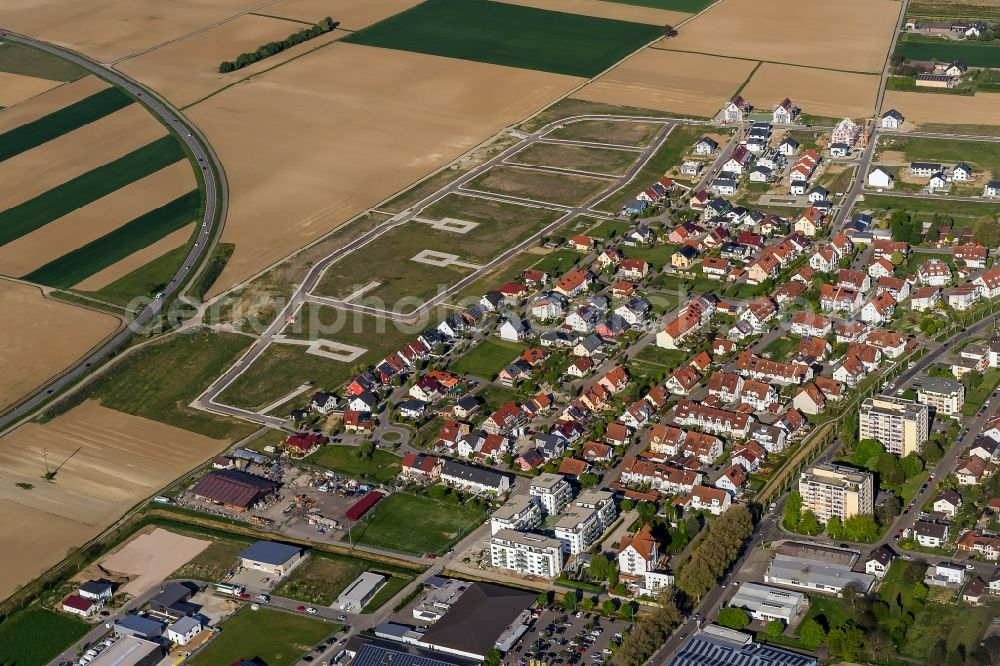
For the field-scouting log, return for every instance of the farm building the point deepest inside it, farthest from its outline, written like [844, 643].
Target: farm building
[234, 489]
[364, 505]
[271, 557]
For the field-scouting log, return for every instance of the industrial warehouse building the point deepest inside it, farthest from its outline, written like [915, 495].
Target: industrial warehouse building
[234, 489]
[271, 557]
[768, 603]
[357, 595]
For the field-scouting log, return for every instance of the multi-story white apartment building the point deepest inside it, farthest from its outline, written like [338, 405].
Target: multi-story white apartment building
[526, 553]
[836, 491]
[585, 520]
[553, 492]
[901, 425]
[946, 396]
[520, 513]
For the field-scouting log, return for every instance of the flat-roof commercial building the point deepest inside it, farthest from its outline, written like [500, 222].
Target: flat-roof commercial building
[526, 553]
[836, 491]
[130, 651]
[585, 521]
[553, 492]
[520, 512]
[357, 595]
[944, 395]
[816, 575]
[271, 557]
[141, 627]
[377, 652]
[439, 599]
[718, 646]
[486, 615]
[768, 603]
[901, 425]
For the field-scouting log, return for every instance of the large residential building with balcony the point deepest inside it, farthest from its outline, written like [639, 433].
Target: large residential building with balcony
[526, 553]
[553, 492]
[836, 491]
[520, 513]
[901, 425]
[585, 521]
[945, 395]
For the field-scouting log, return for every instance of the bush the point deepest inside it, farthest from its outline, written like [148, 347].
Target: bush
[734, 618]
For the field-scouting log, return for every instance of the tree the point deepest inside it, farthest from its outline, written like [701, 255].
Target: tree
[570, 598]
[544, 598]
[493, 657]
[919, 591]
[650, 632]
[809, 523]
[793, 511]
[647, 511]
[669, 31]
[775, 628]
[613, 576]
[734, 618]
[609, 607]
[896, 258]
[812, 634]
[888, 510]
[587, 604]
[911, 465]
[627, 505]
[599, 567]
[889, 470]
[987, 233]
[865, 450]
[589, 480]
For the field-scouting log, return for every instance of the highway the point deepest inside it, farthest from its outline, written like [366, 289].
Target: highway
[216, 202]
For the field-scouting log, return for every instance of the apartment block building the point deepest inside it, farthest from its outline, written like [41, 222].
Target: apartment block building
[553, 492]
[526, 553]
[901, 425]
[585, 521]
[946, 396]
[836, 491]
[519, 513]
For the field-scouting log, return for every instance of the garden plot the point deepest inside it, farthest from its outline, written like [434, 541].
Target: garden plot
[682, 83]
[860, 35]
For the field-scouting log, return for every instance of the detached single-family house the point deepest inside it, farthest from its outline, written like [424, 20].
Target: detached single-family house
[891, 119]
[880, 178]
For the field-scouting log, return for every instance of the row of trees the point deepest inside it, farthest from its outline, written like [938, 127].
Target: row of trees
[715, 552]
[650, 632]
[274, 48]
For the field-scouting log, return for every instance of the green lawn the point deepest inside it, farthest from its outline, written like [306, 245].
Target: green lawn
[911, 486]
[558, 262]
[972, 53]
[681, 139]
[160, 380]
[213, 563]
[583, 158]
[668, 358]
[982, 155]
[274, 637]
[81, 263]
[382, 466]
[828, 611]
[145, 280]
[622, 133]
[91, 186]
[392, 521]
[610, 229]
[393, 585]
[975, 398]
[494, 395]
[783, 348]
[488, 358]
[320, 579]
[87, 110]
[510, 35]
[28, 61]
[657, 256]
[35, 636]
[954, 208]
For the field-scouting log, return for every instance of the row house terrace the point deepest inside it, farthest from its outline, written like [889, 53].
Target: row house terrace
[751, 366]
[661, 477]
[718, 421]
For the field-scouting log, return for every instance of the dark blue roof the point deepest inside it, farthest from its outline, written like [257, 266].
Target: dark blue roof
[270, 552]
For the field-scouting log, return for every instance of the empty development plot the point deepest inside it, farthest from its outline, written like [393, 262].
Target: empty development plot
[682, 83]
[622, 11]
[94, 220]
[750, 29]
[352, 14]
[187, 70]
[51, 164]
[817, 92]
[511, 35]
[107, 461]
[48, 102]
[40, 337]
[441, 524]
[151, 557]
[108, 30]
[583, 158]
[347, 144]
[15, 88]
[623, 133]
[923, 109]
[544, 186]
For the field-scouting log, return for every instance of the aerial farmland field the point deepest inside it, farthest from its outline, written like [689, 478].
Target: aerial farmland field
[818, 92]
[511, 35]
[950, 110]
[50, 101]
[651, 11]
[972, 53]
[16, 88]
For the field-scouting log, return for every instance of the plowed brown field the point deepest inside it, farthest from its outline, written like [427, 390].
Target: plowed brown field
[818, 92]
[15, 88]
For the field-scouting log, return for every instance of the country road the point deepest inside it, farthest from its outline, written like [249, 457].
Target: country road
[216, 202]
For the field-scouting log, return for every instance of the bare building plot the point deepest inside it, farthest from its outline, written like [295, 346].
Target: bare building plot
[852, 35]
[107, 461]
[348, 139]
[686, 83]
[40, 337]
[150, 558]
[922, 108]
[818, 92]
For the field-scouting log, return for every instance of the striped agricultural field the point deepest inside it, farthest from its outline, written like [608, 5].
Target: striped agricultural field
[91, 186]
[97, 255]
[100, 217]
[53, 100]
[44, 168]
[35, 133]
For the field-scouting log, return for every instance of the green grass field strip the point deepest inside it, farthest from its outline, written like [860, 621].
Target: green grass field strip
[143, 281]
[28, 61]
[35, 636]
[66, 119]
[511, 35]
[86, 188]
[81, 263]
[972, 53]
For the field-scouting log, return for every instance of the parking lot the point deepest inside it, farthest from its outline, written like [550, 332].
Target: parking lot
[560, 637]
